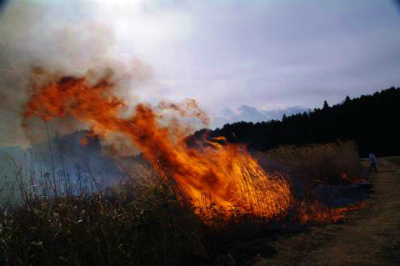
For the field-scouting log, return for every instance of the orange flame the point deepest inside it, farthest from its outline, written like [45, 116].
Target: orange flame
[226, 175]
[315, 212]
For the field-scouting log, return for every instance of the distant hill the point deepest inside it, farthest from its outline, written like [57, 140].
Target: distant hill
[372, 121]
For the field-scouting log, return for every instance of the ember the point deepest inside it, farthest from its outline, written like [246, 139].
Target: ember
[316, 212]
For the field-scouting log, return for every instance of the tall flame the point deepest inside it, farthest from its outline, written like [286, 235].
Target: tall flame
[226, 174]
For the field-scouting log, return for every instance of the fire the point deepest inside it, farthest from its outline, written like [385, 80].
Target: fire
[225, 175]
[315, 212]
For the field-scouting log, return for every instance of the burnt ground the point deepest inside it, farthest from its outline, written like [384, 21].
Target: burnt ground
[369, 236]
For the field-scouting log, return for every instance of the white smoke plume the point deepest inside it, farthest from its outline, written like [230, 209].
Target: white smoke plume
[69, 37]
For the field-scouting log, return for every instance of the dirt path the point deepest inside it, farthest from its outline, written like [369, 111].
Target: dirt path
[370, 236]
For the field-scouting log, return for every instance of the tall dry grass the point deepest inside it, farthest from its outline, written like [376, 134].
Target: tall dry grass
[68, 217]
[60, 221]
[320, 174]
[332, 163]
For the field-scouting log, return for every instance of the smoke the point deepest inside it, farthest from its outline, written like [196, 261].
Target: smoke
[62, 36]
[2, 4]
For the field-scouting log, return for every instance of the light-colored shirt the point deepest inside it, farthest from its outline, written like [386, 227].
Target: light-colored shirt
[372, 158]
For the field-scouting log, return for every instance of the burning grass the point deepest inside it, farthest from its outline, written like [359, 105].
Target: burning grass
[321, 175]
[331, 163]
[144, 220]
[226, 175]
[197, 195]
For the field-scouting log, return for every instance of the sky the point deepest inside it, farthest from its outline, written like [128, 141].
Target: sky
[250, 60]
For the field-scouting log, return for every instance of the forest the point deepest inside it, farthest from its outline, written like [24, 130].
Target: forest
[369, 120]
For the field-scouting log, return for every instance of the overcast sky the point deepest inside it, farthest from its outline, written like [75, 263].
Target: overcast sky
[240, 59]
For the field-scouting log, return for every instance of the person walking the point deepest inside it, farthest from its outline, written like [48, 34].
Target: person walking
[373, 161]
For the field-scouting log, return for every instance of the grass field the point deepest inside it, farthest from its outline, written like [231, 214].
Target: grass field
[330, 163]
[148, 221]
[369, 236]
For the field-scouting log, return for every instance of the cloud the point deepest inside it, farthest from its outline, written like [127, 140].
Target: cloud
[252, 114]
[261, 55]
[248, 113]
[277, 114]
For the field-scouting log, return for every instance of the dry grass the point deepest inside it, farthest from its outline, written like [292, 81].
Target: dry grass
[369, 236]
[330, 163]
[141, 221]
[134, 223]
[319, 174]
[71, 218]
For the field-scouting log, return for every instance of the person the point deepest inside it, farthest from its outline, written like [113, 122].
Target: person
[373, 160]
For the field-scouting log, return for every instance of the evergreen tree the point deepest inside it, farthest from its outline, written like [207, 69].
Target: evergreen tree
[326, 106]
[370, 120]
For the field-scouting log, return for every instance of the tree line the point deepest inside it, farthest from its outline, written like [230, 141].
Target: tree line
[372, 121]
